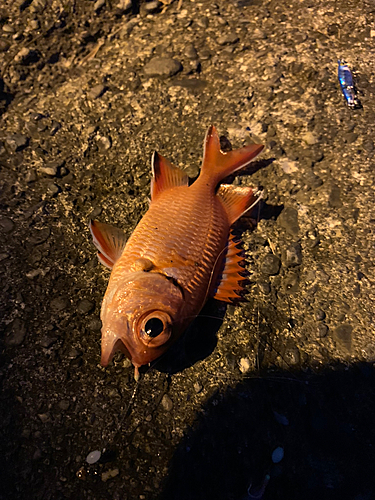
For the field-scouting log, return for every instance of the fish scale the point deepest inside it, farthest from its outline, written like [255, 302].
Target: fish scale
[176, 256]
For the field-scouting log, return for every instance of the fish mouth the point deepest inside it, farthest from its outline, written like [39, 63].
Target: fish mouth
[110, 348]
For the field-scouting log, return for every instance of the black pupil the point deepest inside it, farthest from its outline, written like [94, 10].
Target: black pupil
[154, 327]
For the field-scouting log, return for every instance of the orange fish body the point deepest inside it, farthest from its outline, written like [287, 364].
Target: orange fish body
[180, 254]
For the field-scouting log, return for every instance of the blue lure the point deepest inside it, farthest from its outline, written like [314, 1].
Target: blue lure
[347, 85]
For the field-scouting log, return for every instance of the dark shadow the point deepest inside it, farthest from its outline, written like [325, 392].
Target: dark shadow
[323, 422]
[5, 97]
[197, 343]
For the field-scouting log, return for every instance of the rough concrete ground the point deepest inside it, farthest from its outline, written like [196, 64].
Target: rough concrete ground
[85, 99]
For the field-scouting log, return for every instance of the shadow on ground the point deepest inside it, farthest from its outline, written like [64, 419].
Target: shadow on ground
[324, 423]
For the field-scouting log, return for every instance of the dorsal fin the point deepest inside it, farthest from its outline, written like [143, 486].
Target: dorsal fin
[234, 276]
[109, 240]
[238, 199]
[217, 165]
[165, 175]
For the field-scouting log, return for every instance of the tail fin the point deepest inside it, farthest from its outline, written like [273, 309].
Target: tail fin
[218, 165]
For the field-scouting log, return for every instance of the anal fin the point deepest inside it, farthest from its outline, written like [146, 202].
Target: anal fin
[234, 276]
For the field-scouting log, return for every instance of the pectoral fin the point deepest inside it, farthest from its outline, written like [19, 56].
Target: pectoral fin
[109, 240]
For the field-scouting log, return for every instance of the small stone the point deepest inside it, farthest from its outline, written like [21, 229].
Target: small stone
[95, 325]
[17, 142]
[319, 315]
[55, 127]
[85, 306]
[64, 405]
[310, 138]
[167, 403]
[93, 457]
[270, 264]
[104, 143]
[53, 189]
[190, 51]
[244, 365]
[6, 225]
[230, 39]
[288, 166]
[40, 236]
[293, 255]
[277, 455]
[51, 170]
[4, 45]
[321, 330]
[124, 5]
[48, 341]
[162, 66]
[151, 7]
[368, 145]
[288, 219]
[264, 287]
[17, 333]
[74, 353]
[203, 22]
[350, 137]
[109, 474]
[281, 419]
[198, 387]
[205, 54]
[30, 176]
[343, 335]
[27, 55]
[334, 198]
[99, 4]
[8, 28]
[96, 91]
[44, 417]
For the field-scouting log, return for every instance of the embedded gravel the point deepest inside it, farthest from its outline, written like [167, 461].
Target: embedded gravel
[88, 91]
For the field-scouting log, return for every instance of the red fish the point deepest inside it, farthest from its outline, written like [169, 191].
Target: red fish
[181, 253]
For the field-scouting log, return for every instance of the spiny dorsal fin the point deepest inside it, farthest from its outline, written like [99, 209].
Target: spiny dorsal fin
[218, 165]
[109, 240]
[238, 199]
[234, 276]
[165, 175]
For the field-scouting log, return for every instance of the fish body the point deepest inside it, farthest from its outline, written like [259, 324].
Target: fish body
[180, 254]
[346, 81]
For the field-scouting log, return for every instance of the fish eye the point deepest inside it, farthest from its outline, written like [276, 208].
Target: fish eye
[154, 327]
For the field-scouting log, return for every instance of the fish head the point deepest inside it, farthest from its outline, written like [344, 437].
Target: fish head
[139, 315]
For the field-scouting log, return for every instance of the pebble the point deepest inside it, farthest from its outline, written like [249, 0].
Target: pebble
[96, 91]
[55, 127]
[244, 365]
[17, 333]
[124, 5]
[203, 22]
[162, 66]
[167, 403]
[277, 455]
[321, 330]
[104, 143]
[95, 325]
[6, 225]
[270, 264]
[51, 170]
[368, 145]
[53, 189]
[319, 315]
[205, 54]
[8, 28]
[4, 45]
[64, 404]
[85, 306]
[109, 474]
[343, 335]
[288, 166]
[293, 255]
[227, 39]
[310, 138]
[288, 219]
[93, 457]
[334, 198]
[281, 419]
[350, 137]
[27, 55]
[74, 353]
[151, 7]
[99, 4]
[47, 341]
[264, 287]
[44, 417]
[190, 51]
[17, 142]
[198, 387]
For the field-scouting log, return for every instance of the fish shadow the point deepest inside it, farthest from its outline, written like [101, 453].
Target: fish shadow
[197, 342]
[321, 423]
